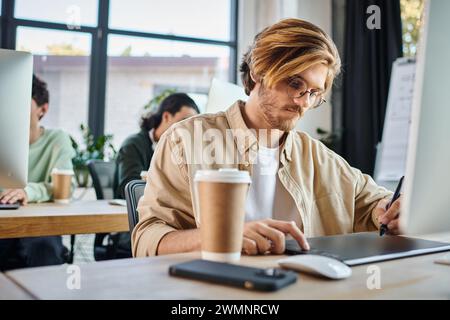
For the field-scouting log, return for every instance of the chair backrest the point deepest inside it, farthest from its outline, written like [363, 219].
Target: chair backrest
[102, 173]
[134, 190]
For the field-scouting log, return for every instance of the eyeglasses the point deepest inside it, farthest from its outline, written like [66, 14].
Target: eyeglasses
[297, 88]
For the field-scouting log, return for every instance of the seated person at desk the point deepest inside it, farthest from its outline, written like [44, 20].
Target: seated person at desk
[137, 150]
[48, 149]
[301, 188]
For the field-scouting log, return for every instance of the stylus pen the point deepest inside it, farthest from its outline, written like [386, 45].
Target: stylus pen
[384, 227]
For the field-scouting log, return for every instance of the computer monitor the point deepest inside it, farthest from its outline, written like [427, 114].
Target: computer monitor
[426, 207]
[16, 74]
[223, 94]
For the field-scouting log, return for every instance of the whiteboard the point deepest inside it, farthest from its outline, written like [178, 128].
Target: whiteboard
[392, 151]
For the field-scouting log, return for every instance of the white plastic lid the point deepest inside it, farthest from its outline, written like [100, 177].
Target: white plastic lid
[62, 171]
[228, 175]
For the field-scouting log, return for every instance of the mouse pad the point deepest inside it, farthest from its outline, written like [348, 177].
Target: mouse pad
[367, 247]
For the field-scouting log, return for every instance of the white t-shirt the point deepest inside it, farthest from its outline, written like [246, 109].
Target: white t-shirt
[267, 197]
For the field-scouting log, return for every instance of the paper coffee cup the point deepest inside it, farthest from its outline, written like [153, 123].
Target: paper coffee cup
[220, 202]
[62, 185]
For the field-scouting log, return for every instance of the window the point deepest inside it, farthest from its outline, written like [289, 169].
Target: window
[175, 17]
[104, 60]
[412, 11]
[139, 69]
[61, 58]
[70, 12]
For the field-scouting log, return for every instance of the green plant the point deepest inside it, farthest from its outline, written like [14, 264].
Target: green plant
[100, 148]
[411, 11]
[154, 103]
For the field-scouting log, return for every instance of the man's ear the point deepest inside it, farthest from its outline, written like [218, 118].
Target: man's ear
[43, 110]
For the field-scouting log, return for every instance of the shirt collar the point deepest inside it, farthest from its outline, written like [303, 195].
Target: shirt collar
[241, 132]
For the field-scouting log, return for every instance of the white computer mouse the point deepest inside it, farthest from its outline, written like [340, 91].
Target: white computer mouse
[319, 265]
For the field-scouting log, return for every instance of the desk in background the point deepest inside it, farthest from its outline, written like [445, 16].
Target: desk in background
[147, 278]
[48, 219]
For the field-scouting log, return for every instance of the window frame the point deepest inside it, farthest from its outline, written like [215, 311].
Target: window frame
[99, 47]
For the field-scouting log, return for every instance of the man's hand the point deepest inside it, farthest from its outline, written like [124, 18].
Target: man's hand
[389, 217]
[268, 236]
[13, 195]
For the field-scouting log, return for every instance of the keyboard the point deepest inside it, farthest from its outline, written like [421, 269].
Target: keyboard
[9, 206]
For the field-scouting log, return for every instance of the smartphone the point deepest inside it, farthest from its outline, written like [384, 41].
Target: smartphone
[9, 206]
[234, 275]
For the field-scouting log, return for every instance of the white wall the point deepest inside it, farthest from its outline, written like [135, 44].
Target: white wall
[254, 15]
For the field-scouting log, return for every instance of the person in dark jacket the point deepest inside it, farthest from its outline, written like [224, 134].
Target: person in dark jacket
[136, 152]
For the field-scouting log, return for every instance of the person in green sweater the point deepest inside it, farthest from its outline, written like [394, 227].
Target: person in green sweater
[48, 149]
[136, 151]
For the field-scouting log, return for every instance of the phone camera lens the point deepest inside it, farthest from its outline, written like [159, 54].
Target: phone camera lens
[272, 273]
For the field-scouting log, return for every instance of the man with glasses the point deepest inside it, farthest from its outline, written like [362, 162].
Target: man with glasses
[299, 187]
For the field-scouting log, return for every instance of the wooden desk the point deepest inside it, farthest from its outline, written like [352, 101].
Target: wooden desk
[78, 217]
[147, 278]
[11, 291]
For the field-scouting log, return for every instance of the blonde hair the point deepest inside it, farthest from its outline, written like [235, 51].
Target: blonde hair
[286, 49]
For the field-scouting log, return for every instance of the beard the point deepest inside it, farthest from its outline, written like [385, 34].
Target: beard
[274, 115]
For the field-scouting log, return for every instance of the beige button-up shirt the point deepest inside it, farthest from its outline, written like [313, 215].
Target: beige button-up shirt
[331, 196]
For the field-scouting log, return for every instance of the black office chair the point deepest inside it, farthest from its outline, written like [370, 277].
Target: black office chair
[105, 244]
[102, 173]
[134, 190]
[10, 259]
